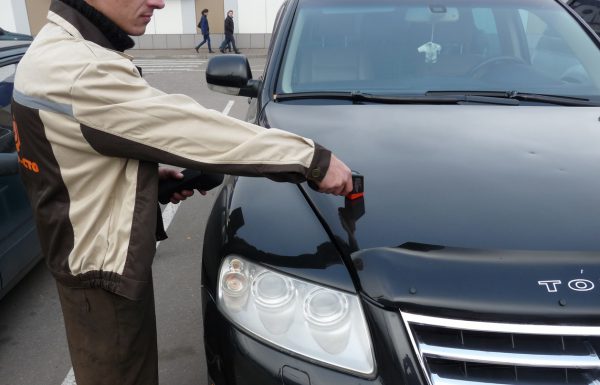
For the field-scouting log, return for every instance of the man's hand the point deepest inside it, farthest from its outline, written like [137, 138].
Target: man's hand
[170, 173]
[338, 179]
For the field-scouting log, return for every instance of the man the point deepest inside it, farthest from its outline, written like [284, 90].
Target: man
[90, 134]
[203, 25]
[229, 38]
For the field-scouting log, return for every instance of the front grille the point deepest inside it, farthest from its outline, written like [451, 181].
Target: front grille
[459, 352]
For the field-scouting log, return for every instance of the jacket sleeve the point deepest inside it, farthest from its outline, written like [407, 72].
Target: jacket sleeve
[121, 115]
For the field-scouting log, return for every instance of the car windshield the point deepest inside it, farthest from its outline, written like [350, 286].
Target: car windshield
[386, 47]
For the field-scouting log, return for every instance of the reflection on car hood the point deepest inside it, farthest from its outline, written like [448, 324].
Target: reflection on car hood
[493, 178]
[484, 177]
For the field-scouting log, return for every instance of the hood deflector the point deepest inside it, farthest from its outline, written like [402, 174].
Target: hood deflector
[475, 283]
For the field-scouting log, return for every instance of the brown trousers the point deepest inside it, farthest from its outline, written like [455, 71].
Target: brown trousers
[112, 340]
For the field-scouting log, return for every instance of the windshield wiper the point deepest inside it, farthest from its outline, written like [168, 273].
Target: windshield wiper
[358, 97]
[443, 97]
[560, 100]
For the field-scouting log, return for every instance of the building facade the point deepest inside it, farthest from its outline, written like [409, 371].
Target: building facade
[172, 27]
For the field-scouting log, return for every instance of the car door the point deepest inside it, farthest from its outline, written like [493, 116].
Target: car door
[19, 245]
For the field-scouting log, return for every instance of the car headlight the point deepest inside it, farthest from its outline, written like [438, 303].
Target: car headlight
[314, 321]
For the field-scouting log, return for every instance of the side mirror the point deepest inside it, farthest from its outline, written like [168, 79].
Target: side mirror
[231, 74]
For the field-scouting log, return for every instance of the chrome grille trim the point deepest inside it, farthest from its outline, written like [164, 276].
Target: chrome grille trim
[559, 330]
[445, 381]
[590, 361]
[442, 343]
[437, 380]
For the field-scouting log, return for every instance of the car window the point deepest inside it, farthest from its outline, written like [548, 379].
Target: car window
[409, 47]
[7, 75]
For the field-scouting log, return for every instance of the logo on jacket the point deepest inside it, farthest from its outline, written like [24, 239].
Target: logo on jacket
[26, 163]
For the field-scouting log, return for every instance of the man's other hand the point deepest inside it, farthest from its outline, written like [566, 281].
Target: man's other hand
[338, 180]
[170, 173]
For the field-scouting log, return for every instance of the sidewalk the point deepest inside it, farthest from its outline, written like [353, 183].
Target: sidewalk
[189, 53]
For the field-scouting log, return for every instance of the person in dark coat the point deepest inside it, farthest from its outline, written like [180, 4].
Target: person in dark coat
[229, 38]
[203, 25]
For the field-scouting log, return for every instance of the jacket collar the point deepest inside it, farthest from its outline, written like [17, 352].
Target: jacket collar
[82, 20]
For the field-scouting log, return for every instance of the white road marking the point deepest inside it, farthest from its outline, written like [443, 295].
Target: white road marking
[70, 379]
[168, 214]
[254, 70]
[228, 107]
[170, 65]
[152, 66]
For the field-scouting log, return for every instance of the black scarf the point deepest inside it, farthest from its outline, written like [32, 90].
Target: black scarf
[117, 37]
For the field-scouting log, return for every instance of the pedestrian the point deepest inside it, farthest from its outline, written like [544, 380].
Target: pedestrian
[229, 38]
[203, 25]
[96, 135]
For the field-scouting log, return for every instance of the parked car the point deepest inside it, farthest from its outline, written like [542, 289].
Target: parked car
[7, 35]
[19, 245]
[589, 10]
[473, 255]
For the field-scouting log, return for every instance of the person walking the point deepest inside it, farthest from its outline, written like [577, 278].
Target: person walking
[229, 38]
[96, 135]
[203, 25]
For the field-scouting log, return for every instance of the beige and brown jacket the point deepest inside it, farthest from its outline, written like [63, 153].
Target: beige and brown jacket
[90, 133]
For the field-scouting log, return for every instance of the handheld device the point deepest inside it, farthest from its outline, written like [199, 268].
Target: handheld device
[192, 180]
[358, 186]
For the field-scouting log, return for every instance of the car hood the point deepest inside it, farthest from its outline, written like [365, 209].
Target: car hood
[485, 177]
[496, 178]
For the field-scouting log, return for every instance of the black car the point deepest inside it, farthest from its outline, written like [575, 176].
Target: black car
[19, 245]
[472, 255]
